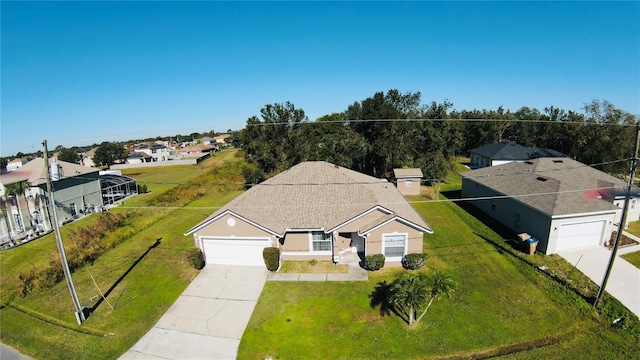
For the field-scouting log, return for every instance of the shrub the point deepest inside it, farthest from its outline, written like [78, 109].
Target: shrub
[414, 261]
[195, 258]
[271, 256]
[374, 262]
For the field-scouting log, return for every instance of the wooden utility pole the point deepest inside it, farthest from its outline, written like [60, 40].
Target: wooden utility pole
[63, 256]
[625, 210]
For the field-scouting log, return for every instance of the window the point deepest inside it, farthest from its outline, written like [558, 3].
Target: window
[18, 220]
[408, 183]
[72, 209]
[394, 245]
[320, 241]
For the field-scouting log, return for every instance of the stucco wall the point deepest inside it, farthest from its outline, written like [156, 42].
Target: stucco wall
[413, 189]
[295, 242]
[230, 225]
[84, 192]
[374, 239]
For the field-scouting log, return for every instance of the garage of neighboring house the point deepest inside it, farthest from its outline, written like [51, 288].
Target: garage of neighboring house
[580, 234]
[234, 251]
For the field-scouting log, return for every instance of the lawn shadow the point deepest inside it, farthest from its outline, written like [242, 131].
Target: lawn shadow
[89, 311]
[510, 244]
[380, 297]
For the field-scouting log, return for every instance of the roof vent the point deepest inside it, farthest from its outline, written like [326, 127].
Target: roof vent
[557, 161]
[528, 162]
[540, 178]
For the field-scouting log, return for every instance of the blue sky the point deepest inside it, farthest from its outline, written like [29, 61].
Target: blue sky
[79, 73]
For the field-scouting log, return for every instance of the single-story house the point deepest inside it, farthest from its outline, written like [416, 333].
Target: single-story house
[16, 163]
[561, 202]
[408, 180]
[506, 152]
[314, 210]
[196, 150]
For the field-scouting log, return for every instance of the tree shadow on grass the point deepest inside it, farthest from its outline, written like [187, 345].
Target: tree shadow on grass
[102, 298]
[380, 297]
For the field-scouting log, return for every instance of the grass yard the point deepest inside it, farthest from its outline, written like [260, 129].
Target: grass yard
[501, 305]
[633, 258]
[311, 267]
[139, 278]
[634, 228]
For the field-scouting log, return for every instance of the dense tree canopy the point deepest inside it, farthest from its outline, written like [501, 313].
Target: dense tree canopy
[391, 130]
[69, 155]
[108, 153]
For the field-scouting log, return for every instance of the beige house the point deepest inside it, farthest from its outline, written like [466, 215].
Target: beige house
[314, 210]
[408, 181]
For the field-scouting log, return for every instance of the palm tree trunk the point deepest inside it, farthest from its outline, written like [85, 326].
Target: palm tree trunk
[426, 309]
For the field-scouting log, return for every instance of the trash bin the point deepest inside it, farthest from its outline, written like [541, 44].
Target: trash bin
[533, 242]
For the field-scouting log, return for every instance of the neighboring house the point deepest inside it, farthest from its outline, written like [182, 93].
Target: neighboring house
[157, 152]
[314, 210]
[206, 140]
[87, 158]
[506, 152]
[15, 164]
[138, 158]
[408, 181]
[76, 191]
[195, 150]
[221, 140]
[561, 202]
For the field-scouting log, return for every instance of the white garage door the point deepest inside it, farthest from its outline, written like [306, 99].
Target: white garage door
[578, 235]
[234, 251]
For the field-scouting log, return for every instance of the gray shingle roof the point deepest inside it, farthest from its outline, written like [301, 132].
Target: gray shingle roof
[562, 185]
[508, 150]
[317, 195]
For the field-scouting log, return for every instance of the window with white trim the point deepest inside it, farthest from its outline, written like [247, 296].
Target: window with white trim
[320, 241]
[408, 183]
[394, 245]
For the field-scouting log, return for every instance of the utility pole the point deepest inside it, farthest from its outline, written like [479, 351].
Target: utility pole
[63, 256]
[625, 210]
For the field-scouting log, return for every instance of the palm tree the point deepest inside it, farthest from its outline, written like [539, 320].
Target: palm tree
[408, 294]
[412, 294]
[441, 284]
[19, 189]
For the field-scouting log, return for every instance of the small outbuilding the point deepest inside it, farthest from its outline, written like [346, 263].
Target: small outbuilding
[408, 180]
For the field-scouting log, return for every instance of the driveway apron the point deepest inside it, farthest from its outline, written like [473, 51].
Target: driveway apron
[624, 281]
[208, 319]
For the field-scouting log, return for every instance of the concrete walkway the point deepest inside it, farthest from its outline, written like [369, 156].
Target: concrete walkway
[9, 353]
[208, 319]
[624, 281]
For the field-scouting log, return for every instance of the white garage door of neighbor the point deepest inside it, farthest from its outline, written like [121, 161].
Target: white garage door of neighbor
[240, 251]
[578, 235]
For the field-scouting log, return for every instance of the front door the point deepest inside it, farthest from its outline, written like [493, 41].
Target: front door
[357, 243]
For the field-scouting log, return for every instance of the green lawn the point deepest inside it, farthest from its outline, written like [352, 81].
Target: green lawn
[501, 305]
[633, 258]
[139, 281]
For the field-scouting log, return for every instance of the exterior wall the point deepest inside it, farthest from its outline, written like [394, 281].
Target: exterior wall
[82, 193]
[478, 161]
[230, 225]
[609, 227]
[374, 239]
[409, 186]
[511, 213]
[634, 210]
[295, 242]
[161, 163]
[341, 244]
[361, 222]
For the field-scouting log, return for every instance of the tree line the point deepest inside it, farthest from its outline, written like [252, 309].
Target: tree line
[394, 130]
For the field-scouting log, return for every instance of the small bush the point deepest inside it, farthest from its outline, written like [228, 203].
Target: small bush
[374, 262]
[195, 258]
[312, 262]
[271, 256]
[414, 261]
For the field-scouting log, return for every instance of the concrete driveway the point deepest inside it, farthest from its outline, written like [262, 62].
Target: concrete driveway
[208, 319]
[624, 281]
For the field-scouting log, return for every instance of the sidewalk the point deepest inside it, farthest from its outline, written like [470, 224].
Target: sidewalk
[624, 280]
[354, 273]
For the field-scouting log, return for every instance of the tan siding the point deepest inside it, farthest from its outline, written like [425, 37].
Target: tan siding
[340, 243]
[295, 242]
[414, 189]
[240, 229]
[363, 221]
[374, 240]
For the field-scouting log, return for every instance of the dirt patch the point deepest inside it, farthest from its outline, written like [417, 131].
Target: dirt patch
[624, 240]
